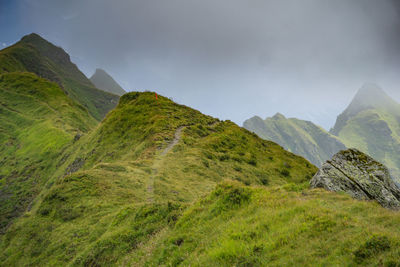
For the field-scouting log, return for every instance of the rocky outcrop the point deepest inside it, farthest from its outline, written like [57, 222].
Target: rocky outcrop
[360, 176]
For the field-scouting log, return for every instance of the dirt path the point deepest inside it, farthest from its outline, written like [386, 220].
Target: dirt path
[177, 137]
[157, 162]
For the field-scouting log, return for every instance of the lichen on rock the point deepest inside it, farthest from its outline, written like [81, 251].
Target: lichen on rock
[360, 176]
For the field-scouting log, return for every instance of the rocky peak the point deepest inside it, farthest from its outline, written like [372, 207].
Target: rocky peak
[360, 176]
[102, 80]
[369, 96]
[46, 48]
[279, 116]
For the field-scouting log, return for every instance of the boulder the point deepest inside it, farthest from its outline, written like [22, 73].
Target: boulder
[360, 176]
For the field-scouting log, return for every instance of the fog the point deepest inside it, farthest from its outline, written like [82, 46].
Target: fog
[231, 59]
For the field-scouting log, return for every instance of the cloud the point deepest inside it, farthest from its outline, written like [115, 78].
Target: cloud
[234, 58]
[70, 16]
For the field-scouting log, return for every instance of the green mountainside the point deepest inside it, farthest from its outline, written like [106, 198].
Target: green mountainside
[34, 54]
[37, 122]
[133, 176]
[371, 123]
[156, 183]
[105, 82]
[300, 137]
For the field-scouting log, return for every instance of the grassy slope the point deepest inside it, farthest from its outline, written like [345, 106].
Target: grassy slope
[375, 132]
[102, 215]
[105, 210]
[277, 226]
[34, 54]
[37, 122]
[300, 137]
[371, 123]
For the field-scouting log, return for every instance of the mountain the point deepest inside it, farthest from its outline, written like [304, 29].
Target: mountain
[37, 122]
[133, 175]
[105, 82]
[156, 183]
[371, 123]
[160, 184]
[300, 137]
[34, 54]
[360, 176]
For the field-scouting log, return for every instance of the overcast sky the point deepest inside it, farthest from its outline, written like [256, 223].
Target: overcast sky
[232, 59]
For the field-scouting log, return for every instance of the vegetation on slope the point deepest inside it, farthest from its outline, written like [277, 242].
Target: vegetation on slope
[105, 82]
[371, 124]
[277, 226]
[116, 188]
[300, 137]
[36, 55]
[37, 122]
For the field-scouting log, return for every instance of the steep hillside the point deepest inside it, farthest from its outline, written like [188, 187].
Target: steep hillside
[36, 55]
[300, 137]
[37, 122]
[133, 176]
[280, 226]
[105, 82]
[371, 123]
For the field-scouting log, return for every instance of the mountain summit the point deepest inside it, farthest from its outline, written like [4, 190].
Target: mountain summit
[371, 123]
[369, 96]
[36, 55]
[102, 80]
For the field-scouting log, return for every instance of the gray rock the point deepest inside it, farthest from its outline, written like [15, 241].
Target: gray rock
[360, 176]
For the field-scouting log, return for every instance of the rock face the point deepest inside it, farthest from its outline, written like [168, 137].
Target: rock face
[360, 176]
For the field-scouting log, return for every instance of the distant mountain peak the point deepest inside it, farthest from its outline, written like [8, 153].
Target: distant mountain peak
[369, 96]
[279, 116]
[36, 55]
[102, 80]
[47, 49]
[32, 36]
[100, 71]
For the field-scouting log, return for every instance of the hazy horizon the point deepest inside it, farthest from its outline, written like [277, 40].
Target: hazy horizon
[229, 59]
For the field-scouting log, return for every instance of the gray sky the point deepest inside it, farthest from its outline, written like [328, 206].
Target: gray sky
[231, 58]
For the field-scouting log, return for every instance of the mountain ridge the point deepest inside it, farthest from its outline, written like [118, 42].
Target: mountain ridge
[127, 165]
[369, 96]
[35, 54]
[300, 137]
[371, 124]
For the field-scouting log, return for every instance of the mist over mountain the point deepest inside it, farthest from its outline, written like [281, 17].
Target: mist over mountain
[102, 80]
[371, 123]
[91, 175]
[265, 56]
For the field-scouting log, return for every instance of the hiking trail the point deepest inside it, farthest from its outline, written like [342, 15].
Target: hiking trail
[158, 161]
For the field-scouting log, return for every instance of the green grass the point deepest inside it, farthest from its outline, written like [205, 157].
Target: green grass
[220, 197]
[255, 226]
[38, 121]
[73, 220]
[376, 133]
